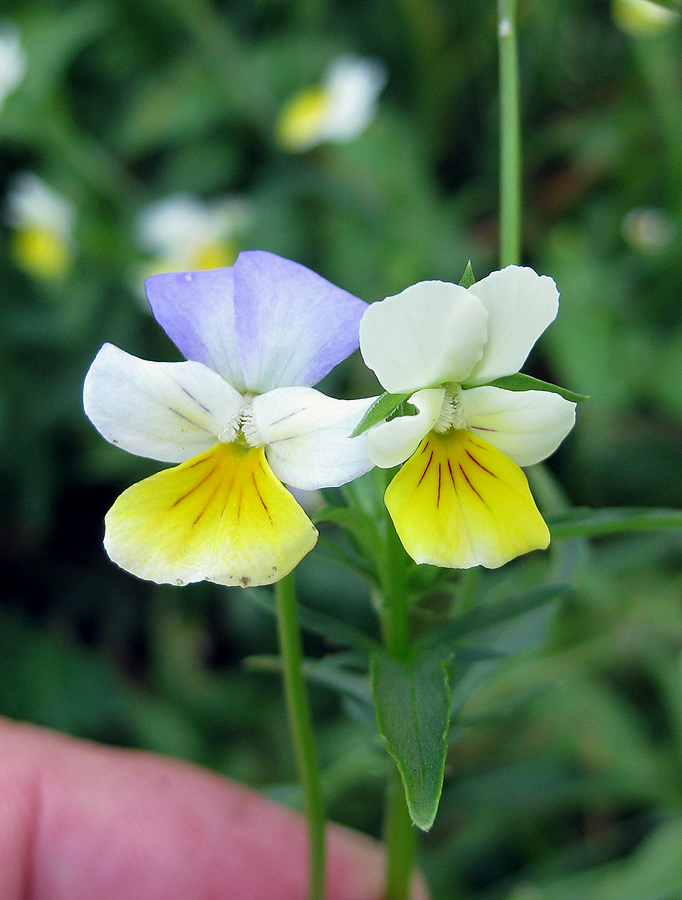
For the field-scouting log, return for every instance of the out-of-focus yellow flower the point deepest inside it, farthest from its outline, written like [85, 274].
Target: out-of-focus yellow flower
[184, 233]
[641, 18]
[42, 220]
[337, 110]
[12, 60]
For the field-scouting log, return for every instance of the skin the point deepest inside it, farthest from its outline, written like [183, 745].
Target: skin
[79, 820]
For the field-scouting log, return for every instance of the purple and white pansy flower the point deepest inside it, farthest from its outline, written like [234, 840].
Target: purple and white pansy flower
[239, 417]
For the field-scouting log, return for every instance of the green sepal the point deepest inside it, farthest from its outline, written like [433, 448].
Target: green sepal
[521, 382]
[381, 409]
[412, 708]
[468, 277]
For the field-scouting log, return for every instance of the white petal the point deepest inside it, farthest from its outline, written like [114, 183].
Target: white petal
[525, 425]
[521, 304]
[165, 411]
[307, 436]
[430, 334]
[394, 441]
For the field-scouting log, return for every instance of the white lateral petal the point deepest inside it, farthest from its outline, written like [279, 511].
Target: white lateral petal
[430, 334]
[525, 425]
[520, 304]
[164, 411]
[307, 436]
[391, 443]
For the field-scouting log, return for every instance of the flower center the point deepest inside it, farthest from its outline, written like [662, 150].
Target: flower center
[242, 429]
[451, 415]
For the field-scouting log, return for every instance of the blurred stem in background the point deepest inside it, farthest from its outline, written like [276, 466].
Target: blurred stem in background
[300, 722]
[660, 71]
[510, 137]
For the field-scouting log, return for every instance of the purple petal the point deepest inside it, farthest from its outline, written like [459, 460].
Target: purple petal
[293, 326]
[196, 311]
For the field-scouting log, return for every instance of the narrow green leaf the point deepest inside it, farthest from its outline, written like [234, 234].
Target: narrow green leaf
[382, 407]
[521, 382]
[585, 522]
[468, 277]
[334, 630]
[491, 614]
[324, 672]
[412, 707]
[356, 522]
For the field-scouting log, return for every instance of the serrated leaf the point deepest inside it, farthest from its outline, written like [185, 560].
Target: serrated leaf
[382, 407]
[412, 707]
[468, 277]
[521, 382]
[585, 522]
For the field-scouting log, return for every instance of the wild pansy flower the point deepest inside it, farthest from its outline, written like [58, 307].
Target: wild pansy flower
[184, 233]
[460, 499]
[239, 416]
[337, 110]
[43, 221]
[12, 60]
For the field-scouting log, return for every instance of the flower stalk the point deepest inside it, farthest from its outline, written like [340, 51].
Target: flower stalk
[300, 722]
[400, 837]
[510, 136]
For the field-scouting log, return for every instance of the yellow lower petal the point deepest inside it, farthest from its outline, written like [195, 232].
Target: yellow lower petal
[458, 502]
[301, 120]
[42, 252]
[217, 255]
[221, 516]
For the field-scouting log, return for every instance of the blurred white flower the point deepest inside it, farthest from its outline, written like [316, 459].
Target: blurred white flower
[43, 221]
[640, 18]
[12, 60]
[337, 110]
[184, 233]
[648, 229]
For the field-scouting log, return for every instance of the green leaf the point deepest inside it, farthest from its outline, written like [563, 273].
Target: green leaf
[412, 707]
[325, 672]
[356, 522]
[491, 614]
[468, 277]
[382, 407]
[334, 630]
[521, 382]
[585, 522]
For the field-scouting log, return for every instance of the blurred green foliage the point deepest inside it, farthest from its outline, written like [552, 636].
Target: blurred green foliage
[564, 776]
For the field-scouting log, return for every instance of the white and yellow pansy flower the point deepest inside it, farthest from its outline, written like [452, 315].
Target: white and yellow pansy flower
[13, 60]
[337, 110]
[42, 220]
[184, 233]
[460, 498]
[239, 417]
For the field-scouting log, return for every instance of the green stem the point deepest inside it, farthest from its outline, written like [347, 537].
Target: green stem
[400, 839]
[300, 722]
[510, 137]
[399, 832]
